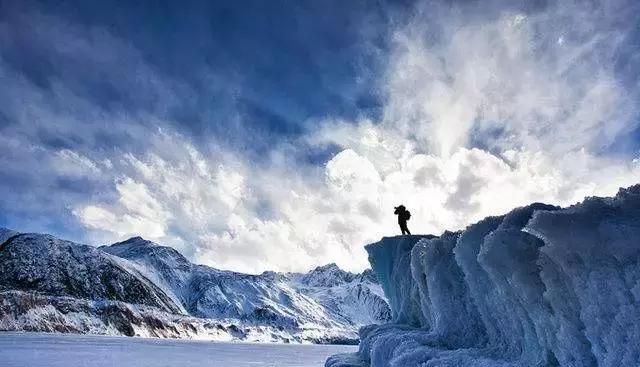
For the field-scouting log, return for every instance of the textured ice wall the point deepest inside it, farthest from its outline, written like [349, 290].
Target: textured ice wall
[540, 286]
[386, 256]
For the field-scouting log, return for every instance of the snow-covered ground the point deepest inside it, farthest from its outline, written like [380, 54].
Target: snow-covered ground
[56, 350]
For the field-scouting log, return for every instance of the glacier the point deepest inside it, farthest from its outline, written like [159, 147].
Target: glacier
[539, 286]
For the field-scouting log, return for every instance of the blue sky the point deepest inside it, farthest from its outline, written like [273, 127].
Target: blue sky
[197, 65]
[261, 135]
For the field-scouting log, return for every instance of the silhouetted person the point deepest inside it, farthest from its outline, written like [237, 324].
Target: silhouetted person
[403, 216]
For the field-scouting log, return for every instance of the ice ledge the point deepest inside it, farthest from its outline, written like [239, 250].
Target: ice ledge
[388, 258]
[540, 286]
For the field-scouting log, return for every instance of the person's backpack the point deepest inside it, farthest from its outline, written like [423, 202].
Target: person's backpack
[407, 215]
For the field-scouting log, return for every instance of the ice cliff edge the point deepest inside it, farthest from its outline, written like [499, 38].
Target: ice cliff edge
[539, 286]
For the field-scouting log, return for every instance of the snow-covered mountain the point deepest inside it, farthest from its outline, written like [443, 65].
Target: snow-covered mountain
[47, 265]
[137, 287]
[539, 286]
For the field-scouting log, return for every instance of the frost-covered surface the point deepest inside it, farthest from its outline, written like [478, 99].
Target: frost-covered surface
[325, 298]
[140, 288]
[39, 350]
[540, 286]
[323, 301]
[352, 298]
[27, 311]
[47, 265]
[395, 253]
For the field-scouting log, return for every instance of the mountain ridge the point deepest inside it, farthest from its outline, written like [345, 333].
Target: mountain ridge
[153, 290]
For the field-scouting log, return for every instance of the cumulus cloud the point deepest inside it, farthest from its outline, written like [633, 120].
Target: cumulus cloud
[484, 110]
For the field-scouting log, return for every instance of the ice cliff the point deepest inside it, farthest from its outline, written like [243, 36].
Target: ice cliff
[539, 286]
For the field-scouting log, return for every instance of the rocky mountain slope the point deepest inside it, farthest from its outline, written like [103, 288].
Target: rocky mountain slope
[137, 287]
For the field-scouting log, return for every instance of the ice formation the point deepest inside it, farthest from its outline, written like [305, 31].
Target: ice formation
[539, 286]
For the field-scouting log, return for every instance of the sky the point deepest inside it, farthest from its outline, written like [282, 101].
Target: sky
[279, 135]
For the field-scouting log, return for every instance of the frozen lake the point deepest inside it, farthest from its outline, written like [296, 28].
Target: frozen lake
[64, 350]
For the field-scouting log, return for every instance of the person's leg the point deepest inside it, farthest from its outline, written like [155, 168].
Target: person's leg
[404, 229]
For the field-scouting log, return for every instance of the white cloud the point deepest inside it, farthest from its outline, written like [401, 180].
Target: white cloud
[507, 75]
[312, 223]
[70, 163]
[136, 211]
[482, 113]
